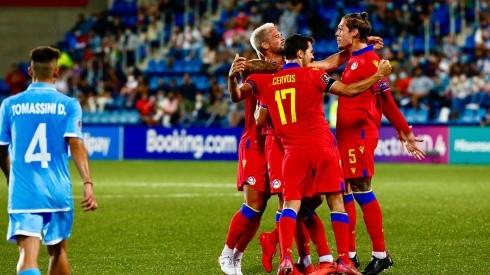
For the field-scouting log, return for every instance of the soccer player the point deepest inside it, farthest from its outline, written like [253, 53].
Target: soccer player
[36, 128]
[358, 121]
[293, 99]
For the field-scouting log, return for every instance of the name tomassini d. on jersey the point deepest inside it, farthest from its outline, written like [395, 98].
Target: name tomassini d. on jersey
[38, 108]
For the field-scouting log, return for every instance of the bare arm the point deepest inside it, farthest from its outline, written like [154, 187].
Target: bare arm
[80, 156]
[237, 67]
[261, 116]
[332, 62]
[5, 161]
[257, 66]
[354, 89]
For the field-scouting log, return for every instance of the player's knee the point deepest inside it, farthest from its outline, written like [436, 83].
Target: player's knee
[360, 185]
[57, 249]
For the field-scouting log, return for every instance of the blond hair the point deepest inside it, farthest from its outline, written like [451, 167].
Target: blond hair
[258, 36]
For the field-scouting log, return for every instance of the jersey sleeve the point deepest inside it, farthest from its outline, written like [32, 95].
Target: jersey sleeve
[381, 86]
[74, 123]
[393, 114]
[5, 136]
[321, 80]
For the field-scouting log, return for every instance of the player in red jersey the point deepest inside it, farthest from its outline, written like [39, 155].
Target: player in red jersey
[293, 99]
[251, 158]
[358, 121]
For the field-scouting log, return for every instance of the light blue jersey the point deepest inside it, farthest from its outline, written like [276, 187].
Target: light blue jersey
[35, 124]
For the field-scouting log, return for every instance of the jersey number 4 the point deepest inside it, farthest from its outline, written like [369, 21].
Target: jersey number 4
[43, 155]
[280, 95]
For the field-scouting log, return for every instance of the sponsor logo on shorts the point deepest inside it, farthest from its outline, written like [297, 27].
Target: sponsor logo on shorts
[244, 162]
[354, 66]
[276, 184]
[353, 170]
[361, 148]
[251, 180]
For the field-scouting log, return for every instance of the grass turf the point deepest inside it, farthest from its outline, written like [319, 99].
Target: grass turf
[160, 217]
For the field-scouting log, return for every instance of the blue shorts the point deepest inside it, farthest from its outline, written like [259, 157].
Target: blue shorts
[50, 227]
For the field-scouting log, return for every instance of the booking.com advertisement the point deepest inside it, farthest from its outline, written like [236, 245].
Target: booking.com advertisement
[435, 143]
[103, 142]
[181, 144]
[470, 145]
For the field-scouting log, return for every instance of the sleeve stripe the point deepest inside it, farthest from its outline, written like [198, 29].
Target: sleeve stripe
[331, 81]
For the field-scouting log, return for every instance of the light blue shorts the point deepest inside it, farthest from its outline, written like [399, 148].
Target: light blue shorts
[50, 227]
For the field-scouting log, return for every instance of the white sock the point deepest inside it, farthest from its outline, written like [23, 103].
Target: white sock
[379, 255]
[227, 251]
[352, 254]
[237, 255]
[306, 260]
[326, 258]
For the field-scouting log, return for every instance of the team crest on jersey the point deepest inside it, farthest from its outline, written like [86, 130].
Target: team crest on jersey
[251, 180]
[276, 184]
[244, 162]
[376, 63]
[354, 66]
[353, 170]
[361, 148]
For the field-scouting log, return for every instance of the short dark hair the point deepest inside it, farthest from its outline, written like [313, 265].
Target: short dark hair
[42, 59]
[294, 43]
[360, 22]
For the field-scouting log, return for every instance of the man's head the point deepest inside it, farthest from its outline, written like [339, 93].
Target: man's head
[353, 26]
[44, 63]
[266, 39]
[299, 48]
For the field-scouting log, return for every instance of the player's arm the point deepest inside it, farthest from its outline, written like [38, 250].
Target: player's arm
[336, 60]
[80, 157]
[237, 94]
[395, 117]
[257, 66]
[261, 115]
[350, 90]
[5, 161]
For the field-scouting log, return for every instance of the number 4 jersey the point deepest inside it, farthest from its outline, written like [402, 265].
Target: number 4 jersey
[35, 124]
[294, 99]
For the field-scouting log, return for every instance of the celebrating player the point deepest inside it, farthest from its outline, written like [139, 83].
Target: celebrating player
[358, 121]
[293, 98]
[38, 125]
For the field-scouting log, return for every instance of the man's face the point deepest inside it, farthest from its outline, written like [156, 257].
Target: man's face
[344, 36]
[308, 55]
[275, 41]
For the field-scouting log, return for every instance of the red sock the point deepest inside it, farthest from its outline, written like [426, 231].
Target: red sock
[239, 223]
[287, 226]
[340, 226]
[249, 234]
[302, 238]
[317, 234]
[373, 218]
[350, 208]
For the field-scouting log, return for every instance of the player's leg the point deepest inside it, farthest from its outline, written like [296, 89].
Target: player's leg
[269, 240]
[350, 208]
[57, 230]
[340, 226]
[58, 259]
[287, 228]
[373, 219]
[28, 254]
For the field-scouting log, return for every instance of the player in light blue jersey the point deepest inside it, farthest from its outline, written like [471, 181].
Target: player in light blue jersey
[37, 127]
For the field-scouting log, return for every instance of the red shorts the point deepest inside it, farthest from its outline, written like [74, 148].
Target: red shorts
[357, 157]
[311, 172]
[274, 153]
[252, 170]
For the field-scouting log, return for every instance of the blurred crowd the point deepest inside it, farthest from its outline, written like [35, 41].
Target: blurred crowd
[169, 61]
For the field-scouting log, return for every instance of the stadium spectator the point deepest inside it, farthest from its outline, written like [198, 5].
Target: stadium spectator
[40, 203]
[15, 79]
[357, 135]
[419, 87]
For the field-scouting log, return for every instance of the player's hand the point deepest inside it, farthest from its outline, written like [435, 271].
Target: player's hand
[88, 203]
[238, 66]
[409, 143]
[384, 67]
[376, 41]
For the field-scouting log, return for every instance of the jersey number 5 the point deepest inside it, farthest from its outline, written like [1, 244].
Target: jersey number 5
[280, 95]
[39, 138]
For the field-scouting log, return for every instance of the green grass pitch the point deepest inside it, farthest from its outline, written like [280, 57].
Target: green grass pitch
[164, 217]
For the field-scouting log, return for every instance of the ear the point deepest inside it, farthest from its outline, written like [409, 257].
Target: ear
[355, 33]
[300, 54]
[264, 45]
[56, 72]
[30, 71]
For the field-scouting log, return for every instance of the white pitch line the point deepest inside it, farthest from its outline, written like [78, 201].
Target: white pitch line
[166, 184]
[157, 196]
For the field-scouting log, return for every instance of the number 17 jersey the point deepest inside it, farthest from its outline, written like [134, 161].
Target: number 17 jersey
[35, 124]
[294, 99]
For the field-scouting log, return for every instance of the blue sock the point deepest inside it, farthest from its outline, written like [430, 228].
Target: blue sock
[30, 271]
